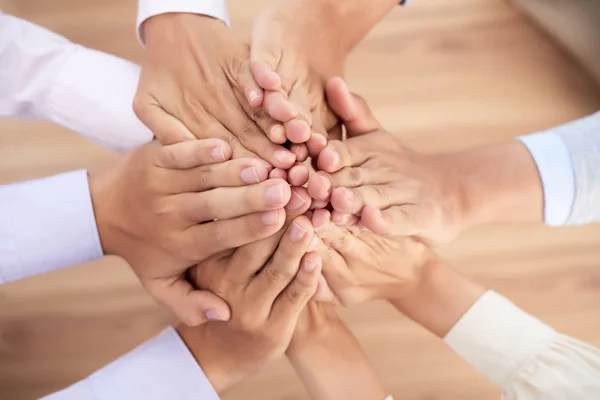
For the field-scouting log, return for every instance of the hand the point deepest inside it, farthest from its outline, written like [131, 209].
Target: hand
[196, 82]
[164, 209]
[267, 284]
[398, 191]
[360, 265]
[295, 50]
[393, 189]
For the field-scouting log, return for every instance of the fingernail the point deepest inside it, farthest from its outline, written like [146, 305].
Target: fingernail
[314, 243]
[277, 131]
[349, 194]
[253, 95]
[284, 156]
[340, 219]
[361, 226]
[274, 194]
[249, 175]
[335, 157]
[326, 181]
[308, 264]
[270, 218]
[297, 232]
[218, 154]
[212, 315]
[275, 75]
[295, 202]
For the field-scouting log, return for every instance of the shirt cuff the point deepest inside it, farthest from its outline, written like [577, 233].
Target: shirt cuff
[555, 167]
[46, 224]
[162, 368]
[150, 8]
[498, 338]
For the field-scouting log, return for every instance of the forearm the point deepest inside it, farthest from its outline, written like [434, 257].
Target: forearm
[332, 365]
[440, 299]
[497, 183]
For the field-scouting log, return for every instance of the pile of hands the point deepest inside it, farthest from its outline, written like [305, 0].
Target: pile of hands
[249, 217]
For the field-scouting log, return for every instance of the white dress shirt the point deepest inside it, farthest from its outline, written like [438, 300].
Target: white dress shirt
[49, 223]
[44, 76]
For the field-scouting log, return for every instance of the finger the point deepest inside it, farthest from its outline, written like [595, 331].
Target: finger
[253, 138]
[320, 185]
[192, 307]
[278, 173]
[166, 128]
[233, 173]
[298, 130]
[193, 153]
[300, 150]
[264, 73]
[279, 107]
[225, 203]
[352, 201]
[293, 299]
[202, 241]
[298, 175]
[315, 144]
[352, 109]
[298, 200]
[324, 294]
[397, 220]
[277, 134]
[317, 204]
[261, 251]
[320, 218]
[338, 154]
[253, 92]
[283, 266]
[344, 219]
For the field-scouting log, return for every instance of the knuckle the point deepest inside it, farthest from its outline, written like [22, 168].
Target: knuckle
[357, 176]
[299, 293]
[248, 132]
[276, 274]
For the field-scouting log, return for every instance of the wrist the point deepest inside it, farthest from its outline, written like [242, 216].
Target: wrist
[440, 299]
[215, 365]
[169, 27]
[497, 183]
[100, 189]
[314, 326]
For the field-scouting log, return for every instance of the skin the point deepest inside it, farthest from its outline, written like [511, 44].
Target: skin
[397, 191]
[329, 360]
[267, 284]
[166, 208]
[195, 88]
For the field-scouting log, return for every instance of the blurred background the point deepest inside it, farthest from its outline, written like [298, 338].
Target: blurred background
[442, 75]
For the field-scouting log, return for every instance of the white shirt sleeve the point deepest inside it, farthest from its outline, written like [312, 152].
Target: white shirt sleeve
[554, 165]
[45, 76]
[150, 8]
[160, 369]
[527, 359]
[46, 224]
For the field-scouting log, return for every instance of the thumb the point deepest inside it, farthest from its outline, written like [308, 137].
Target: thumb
[166, 128]
[351, 108]
[265, 53]
[192, 307]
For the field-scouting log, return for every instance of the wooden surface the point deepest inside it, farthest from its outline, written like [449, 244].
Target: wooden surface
[443, 75]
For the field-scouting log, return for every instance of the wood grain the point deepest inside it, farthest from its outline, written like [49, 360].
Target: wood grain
[443, 75]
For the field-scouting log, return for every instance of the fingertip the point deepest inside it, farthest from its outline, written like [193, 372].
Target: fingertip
[284, 158]
[320, 218]
[329, 160]
[312, 263]
[371, 218]
[278, 173]
[277, 134]
[265, 76]
[297, 131]
[319, 186]
[298, 175]
[301, 151]
[255, 97]
[316, 143]
[342, 200]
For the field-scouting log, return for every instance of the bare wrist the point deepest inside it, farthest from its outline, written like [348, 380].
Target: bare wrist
[498, 183]
[441, 298]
